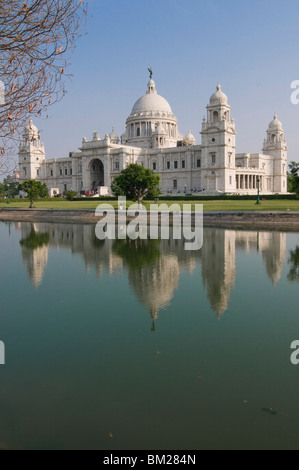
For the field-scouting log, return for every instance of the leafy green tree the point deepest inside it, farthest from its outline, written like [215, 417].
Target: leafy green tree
[135, 182]
[293, 178]
[69, 195]
[9, 188]
[34, 190]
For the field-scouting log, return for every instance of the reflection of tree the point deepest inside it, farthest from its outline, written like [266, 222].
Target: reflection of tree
[294, 261]
[137, 253]
[35, 240]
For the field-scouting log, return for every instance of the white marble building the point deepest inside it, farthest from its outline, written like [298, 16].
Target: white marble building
[152, 139]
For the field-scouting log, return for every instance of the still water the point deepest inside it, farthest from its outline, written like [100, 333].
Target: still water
[143, 345]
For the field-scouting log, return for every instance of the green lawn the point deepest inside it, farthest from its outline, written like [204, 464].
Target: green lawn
[271, 205]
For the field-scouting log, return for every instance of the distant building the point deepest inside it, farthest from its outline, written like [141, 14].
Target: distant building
[152, 139]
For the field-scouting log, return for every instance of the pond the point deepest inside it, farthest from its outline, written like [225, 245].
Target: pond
[142, 345]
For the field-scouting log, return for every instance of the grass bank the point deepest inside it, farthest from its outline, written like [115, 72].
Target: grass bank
[215, 205]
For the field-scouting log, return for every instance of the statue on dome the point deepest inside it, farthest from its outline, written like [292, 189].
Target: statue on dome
[151, 72]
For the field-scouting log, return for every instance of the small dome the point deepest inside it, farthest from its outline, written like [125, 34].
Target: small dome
[218, 96]
[114, 137]
[190, 139]
[275, 124]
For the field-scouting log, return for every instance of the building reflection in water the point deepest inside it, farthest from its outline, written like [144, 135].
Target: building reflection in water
[154, 267]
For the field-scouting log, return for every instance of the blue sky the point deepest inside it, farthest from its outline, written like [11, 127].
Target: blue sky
[250, 47]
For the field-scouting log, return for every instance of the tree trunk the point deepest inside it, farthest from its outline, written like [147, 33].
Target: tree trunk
[31, 204]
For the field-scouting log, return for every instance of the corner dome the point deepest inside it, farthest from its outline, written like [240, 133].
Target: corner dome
[275, 124]
[31, 128]
[218, 96]
[190, 139]
[151, 101]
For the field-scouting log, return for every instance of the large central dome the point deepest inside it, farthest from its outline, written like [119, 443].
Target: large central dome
[151, 101]
[151, 122]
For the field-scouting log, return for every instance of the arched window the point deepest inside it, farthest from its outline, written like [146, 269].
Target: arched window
[215, 116]
[138, 132]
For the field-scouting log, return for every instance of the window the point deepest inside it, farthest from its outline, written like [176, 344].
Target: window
[65, 171]
[51, 172]
[183, 163]
[80, 168]
[175, 184]
[65, 187]
[60, 171]
[168, 165]
[71, 171]
[138, 131]
[154, 166]
[175, 165]
[116, 165]
[198, 163]
[37, 172]
[212, 172]
[25, 171]
[215, 116]
[213, 157]
[213, 140]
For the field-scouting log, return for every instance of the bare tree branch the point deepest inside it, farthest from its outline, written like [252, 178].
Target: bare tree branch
[37, 39]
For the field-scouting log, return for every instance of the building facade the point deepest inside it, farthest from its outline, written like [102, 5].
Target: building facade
[152, 139]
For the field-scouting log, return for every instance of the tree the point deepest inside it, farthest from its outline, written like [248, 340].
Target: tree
[69, 194]
[135, 182]
[9, 188]
[37, 38]
[34, 189]
[293, 178]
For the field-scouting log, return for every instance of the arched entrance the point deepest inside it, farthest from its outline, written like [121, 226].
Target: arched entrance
[96, 169]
